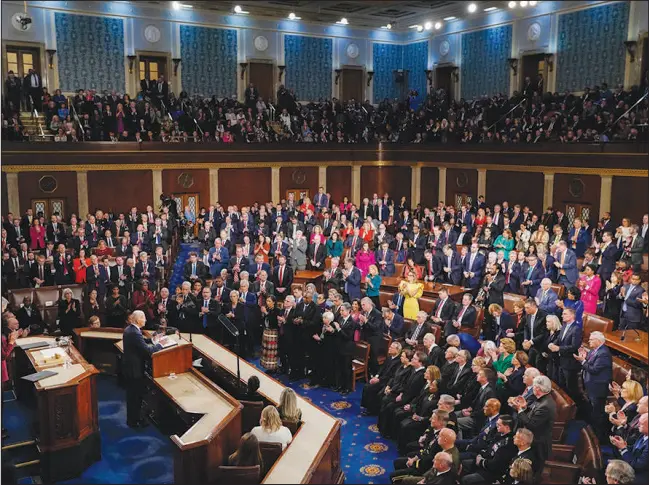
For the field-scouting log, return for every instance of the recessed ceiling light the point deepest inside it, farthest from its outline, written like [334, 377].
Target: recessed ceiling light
[387, 27]
[472, 7]
[343, 21]
[420, 28]
[512, 4]
[490, 9]
[238, 9]
[523, 4]
[428, 25]
[292, 16]
[438, 25]
[175, 5]
[533, 3]
[448, 19]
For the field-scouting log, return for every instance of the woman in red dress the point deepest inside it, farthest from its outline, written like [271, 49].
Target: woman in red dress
[79, 264]
[102, 249]
[142, 299]
[37, 235]
[411, 266]
[262, 246]
[366, 232]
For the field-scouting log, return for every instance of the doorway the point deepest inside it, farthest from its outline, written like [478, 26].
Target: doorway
[462, 199]
[261, 75]
[573, 211]
[533, 65]
[444, 80]
[49, 207]
[21, 59]
[187, 200]
[152, 67]
[352, 88]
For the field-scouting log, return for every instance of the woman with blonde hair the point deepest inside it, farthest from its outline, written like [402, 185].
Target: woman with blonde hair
[506, 351]
[270, 429]
[521, 472]
[549, 362]
[412, 290]
[628, 395]
[288, 410]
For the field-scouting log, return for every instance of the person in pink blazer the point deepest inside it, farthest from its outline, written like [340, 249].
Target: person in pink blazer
[590, 284]
[37, 235]
[364, 258]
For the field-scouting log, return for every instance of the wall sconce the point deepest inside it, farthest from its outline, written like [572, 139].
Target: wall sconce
[131, 63]
[370, 75]
[631, 46]
[244, 66]
[513, 65]
[455, 74]
[176, 61]
[281, 72]
[338, 73]
[549, 60]
[429, 76]
[50, 58]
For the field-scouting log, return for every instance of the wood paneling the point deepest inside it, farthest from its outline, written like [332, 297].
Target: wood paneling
[200, 185]
[588, 196]
[429, 187]
[516, 188]
[461, 181]
[629, 198]
[5, 196]
[393, 180]
[339, 183]
[118, 191]
[242, 186]
[261, 75]
[66, 189]
[352, 84]
[298, 178]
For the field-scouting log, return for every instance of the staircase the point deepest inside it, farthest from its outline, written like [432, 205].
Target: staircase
[31, 126]
[24, 457]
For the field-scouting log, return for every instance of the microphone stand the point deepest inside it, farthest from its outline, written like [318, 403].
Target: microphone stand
[234, 331]
[638, 338]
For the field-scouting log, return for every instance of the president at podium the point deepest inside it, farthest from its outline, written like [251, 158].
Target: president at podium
[136, 350]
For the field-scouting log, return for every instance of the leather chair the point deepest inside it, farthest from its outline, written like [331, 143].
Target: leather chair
[46, 297]
[566, 411]
[360, 362]
[270, 453]
[560, 290]
[566, 463]
[477, 328]
[398, 269]
[240, 475]
[383, 351]
[16, 297]
[437, 332]
[250, 415]
[292, 426]
[510, 298]
[426, 304]
[594, 323]
[385, 297]
[621, 369]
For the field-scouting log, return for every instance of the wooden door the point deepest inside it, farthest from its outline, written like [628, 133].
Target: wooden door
[352, 87]
[533, 65]
[49, 207]
[21, 59]
[187, 200]
[261, 75]
[443, 80]
[462, 199]
[298, 194]
[583, 211]
[152, 67]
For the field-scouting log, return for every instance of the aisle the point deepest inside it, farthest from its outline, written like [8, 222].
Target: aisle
[179, 264]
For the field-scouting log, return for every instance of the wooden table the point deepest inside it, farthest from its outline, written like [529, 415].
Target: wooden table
[304, 277]
[68, 416]
[96, 345]
[630, 347]
[391, 283]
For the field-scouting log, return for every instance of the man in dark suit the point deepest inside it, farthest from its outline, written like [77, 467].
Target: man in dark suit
[474, 265]
[498, 324]
[208, 311]
[417, 244]
[187, 309]
[33, 88]
[394, 324]
[385, 259]
[463, 373]
[432, 266]
[415, 335]
[64, 274]
[282, 278]
[136, 351]
[566, 263]
[316, 254]
[630, 294]
[597, 373]
[464, 316]
[124, 249]
[451, 266]
[637, 455]
[472, 418]
[538, 417]
[41, 273]
[140, 238]
[531, 276]
[352, 279]
[194, 270]
[396, 303]
[257, 267]
[96, 276]
[570, 337]
[606, 259]
[161, 90]
[534, 331]
[344, 331]
[29, 316]
[145, 269]
[371, 323]
[443, 310]
[353, 243]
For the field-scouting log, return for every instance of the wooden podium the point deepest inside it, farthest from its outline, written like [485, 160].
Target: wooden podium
[67, 413]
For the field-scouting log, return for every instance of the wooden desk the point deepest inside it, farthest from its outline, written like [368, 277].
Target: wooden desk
[636, 350]
[391, 283]
[314, 454]
[68, 416]
[305, 277]
[96, 345]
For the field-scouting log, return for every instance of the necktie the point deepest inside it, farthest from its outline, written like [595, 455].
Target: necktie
[65, 266]
[532, 326]
[16, 264]
[626, 297]
[281, 274]
[439, 308]
[565, 331]
[194, 269]
[529, 272]
[41, 272]
[457, 376]
[459, 317]
[205, 304]
[258, 268]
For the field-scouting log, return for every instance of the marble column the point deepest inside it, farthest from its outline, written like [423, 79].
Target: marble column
[415, 185]
[82, 193]
[482, 182]
[214, 185]
[548, 190]
[274, 184]
[441, 192]
[605, 194]
[13, 197]
[157, 187]
[356, 185]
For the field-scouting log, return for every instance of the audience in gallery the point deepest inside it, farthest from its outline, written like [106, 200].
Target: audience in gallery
[449, 401]
[598, 115]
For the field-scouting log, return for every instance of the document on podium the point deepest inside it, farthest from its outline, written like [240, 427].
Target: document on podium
[167, 342]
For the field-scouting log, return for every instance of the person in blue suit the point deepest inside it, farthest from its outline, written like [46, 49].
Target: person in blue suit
[637, 455]
[570, 337]
[452, 266]
[474, 264]
[394, 324]
[531, 275]
[498, 324]
[579, 238]
[278, 248]
[250, 316]
[597, 373]
[219, 257]
[631, 313]
[352, 277]
[566, 263]
[384, 258]
[546, 297]
[137, 350]
[255, 268]
[396, 303]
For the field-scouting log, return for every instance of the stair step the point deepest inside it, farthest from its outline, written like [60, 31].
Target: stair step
[19, 444]
[27, 463]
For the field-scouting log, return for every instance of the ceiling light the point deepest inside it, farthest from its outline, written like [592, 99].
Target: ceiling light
[523, 4]
[428, 25]
[472, 7]
[184, 5]
[438, 25]
[448, 19]
[343, 21]
[512, 4]
[533, 4]
[238, 9]
[490, 9]
[175, 5]
[292, 16]
[387, 27]
[420, 28]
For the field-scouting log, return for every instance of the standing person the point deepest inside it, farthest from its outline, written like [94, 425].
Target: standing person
[590, 286]
[568, 344]
[344, 330]
[270, 337]
[136, 349]
[411, 290]
[373, 282]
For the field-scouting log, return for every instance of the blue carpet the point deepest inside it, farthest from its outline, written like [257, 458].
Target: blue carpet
[179, 265]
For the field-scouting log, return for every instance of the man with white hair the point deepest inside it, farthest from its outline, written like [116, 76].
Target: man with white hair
[546, 297]
[136, 350]
[186, 308]
[619, 471]
[539, 417]
[597, 372]
[324, 351]
[299, 248]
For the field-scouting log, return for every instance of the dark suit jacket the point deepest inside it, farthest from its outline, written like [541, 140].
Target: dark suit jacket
[47, 274]
[633, 306]
[140, 270]
[447, 313]
[597, 371]
[468, 319]
[540, 329]
[535, 277]
[413, 386]
[569, 343]
[454, 387]
[345, 336]
[477, 269]
[539, 419]
[136, 351]
[425, 328]
[287, 279]
[397, 327]
[477, 412]
[353, 284]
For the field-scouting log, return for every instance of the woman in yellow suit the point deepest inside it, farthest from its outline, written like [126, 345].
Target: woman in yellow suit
[411, 291]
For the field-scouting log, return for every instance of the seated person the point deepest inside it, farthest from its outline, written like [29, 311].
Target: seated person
[270, 429]
[288, 410]
[248, 454]
[251, 393]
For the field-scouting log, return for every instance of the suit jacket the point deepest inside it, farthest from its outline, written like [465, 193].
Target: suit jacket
[243, 264]
[318, 256]
[143, 239]
[398, 300]
[387, 269]
[425, 328]
[150, 268]
[546, 302]
[397, 327]
[477, 268]
[477, 412]
[435, 356]
[539, 331]
[582, 241]
[535, 276]
[286, 282]
[608, 258]
[99, 281]
[467, 321]
[353, 284]
[136, 351]
[413, 385]
[539, 419]
[455, 276]
[638, 457]
[569, 267]
[597, 371]
[458, 381]
[269, 288]
[252, 270]
[345, 336]
[447, 312]
[353, 246]
[633, 311]
[298, 253]
[569, 343]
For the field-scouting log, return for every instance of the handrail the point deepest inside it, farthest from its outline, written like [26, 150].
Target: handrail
[627, 111]
[507, 114]
[76, 118]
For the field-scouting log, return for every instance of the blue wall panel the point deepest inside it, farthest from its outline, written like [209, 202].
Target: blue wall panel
[387, 58]
[309, 64]
[415, 60]
[90, 52]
